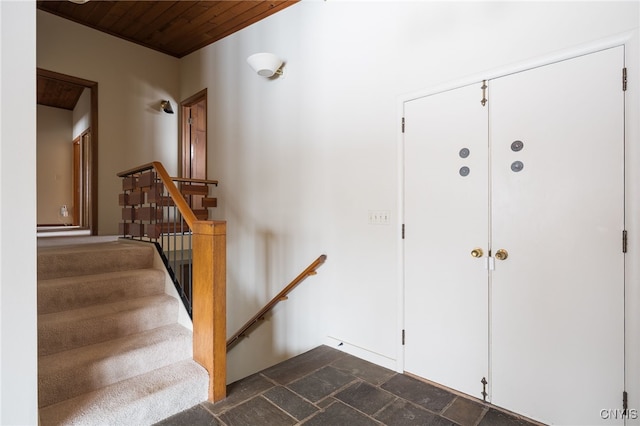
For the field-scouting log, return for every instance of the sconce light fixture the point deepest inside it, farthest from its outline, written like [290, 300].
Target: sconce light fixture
[166, 107]
[266, 64]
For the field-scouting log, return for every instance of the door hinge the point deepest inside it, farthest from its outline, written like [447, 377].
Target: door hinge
[625, 403]
[624, 79]
[403, 231]
[624, 241]
[402, 337]
[484, 388]
[402, 124]
[483, 101]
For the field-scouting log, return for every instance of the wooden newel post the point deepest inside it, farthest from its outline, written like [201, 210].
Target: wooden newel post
[210, 303]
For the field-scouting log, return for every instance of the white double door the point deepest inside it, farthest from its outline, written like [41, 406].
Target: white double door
[537, 172]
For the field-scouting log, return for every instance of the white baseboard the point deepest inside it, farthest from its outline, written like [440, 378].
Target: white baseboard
[362, 353]
[55, 239]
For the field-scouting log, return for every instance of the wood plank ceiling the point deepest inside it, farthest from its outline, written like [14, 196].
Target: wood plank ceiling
[58, 94]
[176, 28]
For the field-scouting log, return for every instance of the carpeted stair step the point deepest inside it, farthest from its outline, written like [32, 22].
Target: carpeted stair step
[70, 373]
[59, 294]
[110, 349]
[83, 259]
[140, 400]
[61, 331]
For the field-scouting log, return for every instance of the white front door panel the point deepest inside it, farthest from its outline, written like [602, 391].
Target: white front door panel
[557, 306]
[446, 218]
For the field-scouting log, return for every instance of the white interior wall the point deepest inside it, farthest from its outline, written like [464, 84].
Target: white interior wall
[132, 80]
[329, 130]
[82, 113]
[302, 159]
[18, 331]
[55, 164]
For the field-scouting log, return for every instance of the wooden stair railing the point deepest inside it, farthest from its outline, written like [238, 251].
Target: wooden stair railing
[143, 198]
[242, 332]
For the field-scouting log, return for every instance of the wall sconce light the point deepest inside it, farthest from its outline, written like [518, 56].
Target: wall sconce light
[266, 64]
[166, 107]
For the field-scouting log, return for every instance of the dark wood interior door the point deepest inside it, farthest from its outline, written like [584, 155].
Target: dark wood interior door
[81, 179]
[198, 125]
[194, 142]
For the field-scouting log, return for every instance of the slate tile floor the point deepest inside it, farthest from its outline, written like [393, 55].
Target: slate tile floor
[327, 387]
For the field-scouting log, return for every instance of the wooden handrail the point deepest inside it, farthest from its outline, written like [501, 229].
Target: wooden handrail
[192, 180]
[310, 270]
[138, 169]
[154, 164]
[188, 214]
[208, 285]
[175, 193]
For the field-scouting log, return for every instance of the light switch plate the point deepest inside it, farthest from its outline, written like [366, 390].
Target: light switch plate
[379, 217]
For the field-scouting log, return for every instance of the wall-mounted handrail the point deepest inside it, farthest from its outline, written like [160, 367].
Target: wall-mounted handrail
[242, 332]
[207, 247]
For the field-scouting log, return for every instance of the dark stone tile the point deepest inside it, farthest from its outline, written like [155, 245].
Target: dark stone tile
[340, 414]
[365, 397]
[240, 391]
[322, 383]
[423, 394]
[324, 403]
[494, 417]
[365, 370]
[303, 364]
[290, 402]
[196, 415]
[256, 411]
[404, 413]
[464, 411]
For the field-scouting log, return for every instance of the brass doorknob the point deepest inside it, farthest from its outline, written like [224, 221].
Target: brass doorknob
[476, 252]
[502, 254]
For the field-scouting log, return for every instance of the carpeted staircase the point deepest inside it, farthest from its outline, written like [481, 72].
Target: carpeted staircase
[110, 349]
